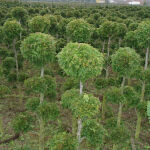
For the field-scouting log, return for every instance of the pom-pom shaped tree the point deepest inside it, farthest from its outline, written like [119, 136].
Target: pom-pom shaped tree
[124, 62]
[79, 31]
[39, 49]
[12, 30]
[142, 35]
[84, 62]
[80, 61]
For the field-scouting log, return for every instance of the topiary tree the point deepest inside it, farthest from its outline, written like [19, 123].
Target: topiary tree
[79, 31]
[124, 62]
[39, 49]
[84, 62]
[39, 24]
[142, 35]
[12, 30]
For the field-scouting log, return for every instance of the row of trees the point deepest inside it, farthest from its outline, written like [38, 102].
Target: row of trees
[37, 40]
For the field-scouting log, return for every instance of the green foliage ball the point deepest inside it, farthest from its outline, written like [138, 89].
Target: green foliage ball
[114, 95]
[131, 96]
[119, 135]
[12, 30]
[39, 24]
[32, 103]
[48, 111]
[63, 141]
[81, 105]
[79, 31]
[94, 132]
[125, 61]
[22, 123]
[46, 85]
[80, 61]
[38, 48]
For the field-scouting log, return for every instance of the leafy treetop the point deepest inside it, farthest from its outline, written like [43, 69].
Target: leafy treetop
[80, 61]
[39, 48]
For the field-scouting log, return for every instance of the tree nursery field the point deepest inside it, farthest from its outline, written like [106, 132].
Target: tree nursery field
[74, 77]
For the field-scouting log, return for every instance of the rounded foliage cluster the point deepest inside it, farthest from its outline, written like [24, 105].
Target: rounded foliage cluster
[125, 61]
[48, 111]
[39, 24]
[79, 31]
[80, 61]
[94, 132]
[12, 30]
[19, 13]
[63, 141]
[33, 103]
[114, 95]
[119, 135]
[22, 122]
[38, 48]
[81, 105]
[143, 33]
[131, 96]
[46, 85]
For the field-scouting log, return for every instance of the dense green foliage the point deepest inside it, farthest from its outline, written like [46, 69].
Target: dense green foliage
[47, 49]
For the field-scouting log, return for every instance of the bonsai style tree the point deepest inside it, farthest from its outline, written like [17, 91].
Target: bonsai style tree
[84, 61]
[124, 62]
[12, 30]
[39, 24]
[79, 31]
[39, 49]
[81, 61]
[142, 35]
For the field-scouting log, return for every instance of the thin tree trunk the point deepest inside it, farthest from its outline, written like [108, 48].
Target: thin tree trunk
[120, 105]
[1, 126]
[120, 40]
[79, 132]
[79, 121]
[103, 108]
[41, 122]
[16, 57]
[139, 117]
[119, 112]
[81, 87]
[41, 134]
[103, 47]
[108, 53]
[42, 95]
